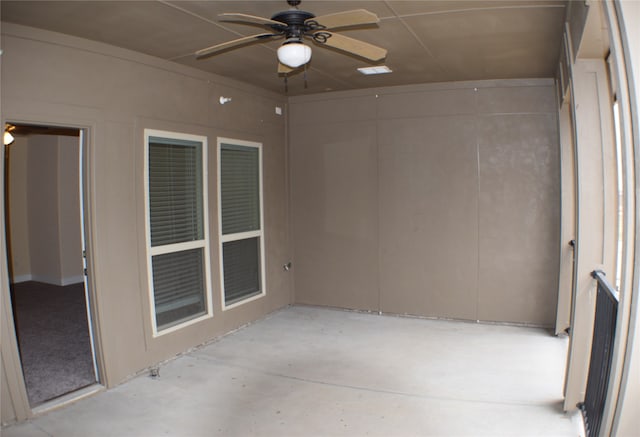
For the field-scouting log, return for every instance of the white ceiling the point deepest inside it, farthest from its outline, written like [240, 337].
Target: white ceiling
[428, 41]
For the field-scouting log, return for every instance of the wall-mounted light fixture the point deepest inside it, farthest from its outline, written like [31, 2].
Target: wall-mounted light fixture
[224, 100]
[7, 137]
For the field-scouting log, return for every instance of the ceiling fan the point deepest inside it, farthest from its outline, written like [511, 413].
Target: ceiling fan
[295, 25]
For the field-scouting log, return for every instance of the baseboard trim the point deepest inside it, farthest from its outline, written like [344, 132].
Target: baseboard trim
[22, 278]
[72, 280]
[47, 280]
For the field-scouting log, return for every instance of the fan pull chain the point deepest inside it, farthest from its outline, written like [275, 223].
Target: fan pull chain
[286, 83]
[305, 76]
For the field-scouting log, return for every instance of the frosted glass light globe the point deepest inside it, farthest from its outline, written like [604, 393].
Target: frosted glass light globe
[294, 54]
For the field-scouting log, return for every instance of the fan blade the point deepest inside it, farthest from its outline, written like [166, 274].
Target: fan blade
[356, 17]
[354, 46]
[251, 19]
[232, 44]
[284, 69]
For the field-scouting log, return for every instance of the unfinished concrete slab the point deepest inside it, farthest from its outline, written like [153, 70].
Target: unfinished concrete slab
[306, 371]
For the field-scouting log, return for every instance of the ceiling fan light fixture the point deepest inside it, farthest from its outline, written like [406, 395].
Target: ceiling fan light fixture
[294, 54]
[8, 138]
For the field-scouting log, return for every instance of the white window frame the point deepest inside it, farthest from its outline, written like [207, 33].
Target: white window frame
[241, 235]
[177, 247]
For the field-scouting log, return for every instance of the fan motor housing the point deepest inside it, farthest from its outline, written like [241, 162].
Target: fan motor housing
[292, 17]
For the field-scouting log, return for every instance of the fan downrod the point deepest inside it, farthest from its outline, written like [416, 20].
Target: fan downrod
[293, 3]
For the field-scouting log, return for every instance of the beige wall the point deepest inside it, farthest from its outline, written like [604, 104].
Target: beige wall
[6, 406]
[595, 231]
[116, 94]
[577, 13]
[435, 200]
[627, 421]
[45, 209]
[19, 225]
[334, 190]
[43, 218]
[69, 225]
[596, 199]
[568, 214]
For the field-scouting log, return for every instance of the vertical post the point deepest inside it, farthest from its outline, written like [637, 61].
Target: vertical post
[568, 225]
[596, 179]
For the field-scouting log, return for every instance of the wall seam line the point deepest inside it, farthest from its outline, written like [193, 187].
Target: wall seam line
[476, 118]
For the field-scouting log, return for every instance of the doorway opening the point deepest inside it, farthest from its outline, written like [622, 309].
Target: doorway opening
[46, 251]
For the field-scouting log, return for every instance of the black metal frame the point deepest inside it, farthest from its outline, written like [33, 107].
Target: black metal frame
[604, 330]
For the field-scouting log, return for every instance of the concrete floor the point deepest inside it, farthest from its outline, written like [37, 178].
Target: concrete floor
[307, 371]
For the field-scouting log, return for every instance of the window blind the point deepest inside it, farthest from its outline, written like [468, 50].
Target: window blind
[241, 269]
[240, 188]
[178, 284]
[175, 191]
[177, 243]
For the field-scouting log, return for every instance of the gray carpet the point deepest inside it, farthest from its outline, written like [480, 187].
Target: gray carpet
[53, 334]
